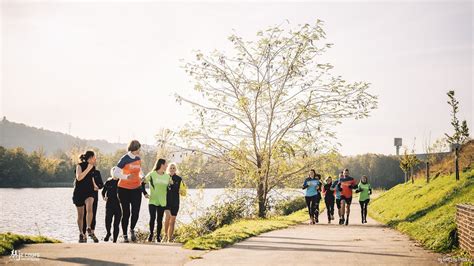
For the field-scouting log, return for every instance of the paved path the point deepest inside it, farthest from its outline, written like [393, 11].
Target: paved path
[106, 254]
[324, 244]
[356, 244]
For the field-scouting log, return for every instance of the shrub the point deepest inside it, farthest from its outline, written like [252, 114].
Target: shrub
[215, 217]
[290, 206]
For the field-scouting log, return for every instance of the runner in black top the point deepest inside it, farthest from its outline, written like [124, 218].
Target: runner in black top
[83, 195]
[175, 189]
[329, 198]
[112, 207]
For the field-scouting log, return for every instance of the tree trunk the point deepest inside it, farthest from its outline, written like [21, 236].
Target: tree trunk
[260, 189]
[456, 156]
[411, 174]
[406, 177]
[261, 200]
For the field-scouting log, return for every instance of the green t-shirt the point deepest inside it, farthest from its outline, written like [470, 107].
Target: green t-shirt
[158, 187]
[364, 194]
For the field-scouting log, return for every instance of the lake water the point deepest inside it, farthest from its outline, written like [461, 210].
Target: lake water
[50, 211]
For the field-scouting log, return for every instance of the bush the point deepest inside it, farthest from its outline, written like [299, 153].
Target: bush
[10, 241]
[290, 206]
[215, 217]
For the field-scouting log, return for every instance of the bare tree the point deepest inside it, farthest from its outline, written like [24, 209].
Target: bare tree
[269, 107]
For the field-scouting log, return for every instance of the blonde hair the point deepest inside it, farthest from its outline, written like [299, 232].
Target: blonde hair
[168, 168]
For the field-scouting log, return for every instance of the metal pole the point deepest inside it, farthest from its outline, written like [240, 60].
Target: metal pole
[427, 172]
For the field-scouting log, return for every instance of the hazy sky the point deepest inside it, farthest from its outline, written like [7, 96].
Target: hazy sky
[110, 69]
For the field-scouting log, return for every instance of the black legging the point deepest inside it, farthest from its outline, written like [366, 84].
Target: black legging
[156, 212]
[127, 198]
[363, 209]
[329, 201]
[94, 213]
[116, 213]
[313, 205]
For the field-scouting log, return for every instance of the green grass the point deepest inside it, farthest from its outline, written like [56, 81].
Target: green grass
[10, 241]
[426, 212]
[243, 229]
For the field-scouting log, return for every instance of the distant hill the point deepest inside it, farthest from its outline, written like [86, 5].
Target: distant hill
[14, 135]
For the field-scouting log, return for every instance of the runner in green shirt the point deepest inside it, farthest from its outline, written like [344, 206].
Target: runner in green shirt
[365, 191]
[159, 182]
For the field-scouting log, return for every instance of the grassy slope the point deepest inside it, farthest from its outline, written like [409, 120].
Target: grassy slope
[243, 229]
[425, 212]
[9, 241]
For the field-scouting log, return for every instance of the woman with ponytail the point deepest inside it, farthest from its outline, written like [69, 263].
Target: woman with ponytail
[83, 195]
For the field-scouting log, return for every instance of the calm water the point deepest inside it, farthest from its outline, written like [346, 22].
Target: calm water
[50, 211]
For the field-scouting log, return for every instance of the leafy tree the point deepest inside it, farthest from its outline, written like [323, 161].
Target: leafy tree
[269, 108]
[461, 132]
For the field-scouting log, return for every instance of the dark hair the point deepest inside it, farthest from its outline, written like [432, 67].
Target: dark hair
[159, 163]
[86, 156]
[318, 176]
[366, 179]
[346, 170]
[134, 145]
[314, 172]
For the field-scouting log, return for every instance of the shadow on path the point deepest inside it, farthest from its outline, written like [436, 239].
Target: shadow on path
[274, 248]
[86, 261]
[296, 243]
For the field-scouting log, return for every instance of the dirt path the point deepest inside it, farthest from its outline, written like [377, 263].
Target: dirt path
[332, 244]
[323, 243]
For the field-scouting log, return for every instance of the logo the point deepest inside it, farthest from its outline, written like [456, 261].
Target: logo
[17, 255]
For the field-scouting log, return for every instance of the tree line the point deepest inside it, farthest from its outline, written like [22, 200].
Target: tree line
[19, 168]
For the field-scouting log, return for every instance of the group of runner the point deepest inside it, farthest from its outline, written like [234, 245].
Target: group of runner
[339, 192]
[123, 192]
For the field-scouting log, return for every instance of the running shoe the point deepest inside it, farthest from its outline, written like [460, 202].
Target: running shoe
[133, 236]
[106, 238]
[82, 238]
[125, 239]
[96, 240]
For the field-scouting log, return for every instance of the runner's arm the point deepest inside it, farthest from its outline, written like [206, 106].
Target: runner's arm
[118, 172]
[104, 190]
[144, 189]
[305, 184]
[98, 180]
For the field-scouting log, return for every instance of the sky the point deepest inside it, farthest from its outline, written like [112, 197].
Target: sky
[110, 69]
